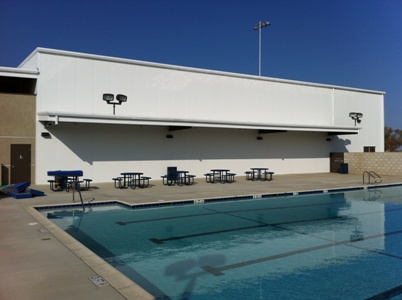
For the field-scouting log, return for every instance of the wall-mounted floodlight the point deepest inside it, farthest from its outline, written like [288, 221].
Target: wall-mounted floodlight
[46, 135]
[356, 116]
[121, 98]
[109, 98]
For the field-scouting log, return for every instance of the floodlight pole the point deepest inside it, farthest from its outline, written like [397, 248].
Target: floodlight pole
[109, 98]
[259, 49]
[259, 26]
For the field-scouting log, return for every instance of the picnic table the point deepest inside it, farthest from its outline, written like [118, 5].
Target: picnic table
[131, 180]
[68, 179]
[178, 177]
[64, 179]
[220, 176]
[259, 174]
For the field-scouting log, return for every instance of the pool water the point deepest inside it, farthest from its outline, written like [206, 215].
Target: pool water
[323, 246]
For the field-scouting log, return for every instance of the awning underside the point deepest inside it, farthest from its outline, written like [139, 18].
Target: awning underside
[50, 119]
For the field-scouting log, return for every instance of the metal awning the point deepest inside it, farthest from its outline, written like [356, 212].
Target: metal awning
[54, 118]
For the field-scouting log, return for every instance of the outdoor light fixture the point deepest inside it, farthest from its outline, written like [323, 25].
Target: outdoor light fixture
[356, 116]
[121, 98]
[258, 27]
[45, 135]
[109, 98]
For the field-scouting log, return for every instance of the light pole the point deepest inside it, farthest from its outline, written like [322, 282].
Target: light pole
[258, 27]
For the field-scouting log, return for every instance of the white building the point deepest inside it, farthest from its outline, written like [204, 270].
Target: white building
[194, 119]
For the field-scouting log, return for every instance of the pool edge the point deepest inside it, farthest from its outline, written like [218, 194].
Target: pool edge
[120, 282]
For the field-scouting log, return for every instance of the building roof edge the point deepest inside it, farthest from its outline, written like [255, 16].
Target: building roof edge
[190, 69]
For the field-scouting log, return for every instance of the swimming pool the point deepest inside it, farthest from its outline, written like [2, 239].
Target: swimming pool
[344, 245]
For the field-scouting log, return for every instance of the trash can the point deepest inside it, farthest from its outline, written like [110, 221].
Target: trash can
[60, 182]
[171, 173]
[344, 169]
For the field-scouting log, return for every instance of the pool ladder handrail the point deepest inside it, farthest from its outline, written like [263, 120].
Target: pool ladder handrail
[373, 195]
[371, 175]
[76, 187]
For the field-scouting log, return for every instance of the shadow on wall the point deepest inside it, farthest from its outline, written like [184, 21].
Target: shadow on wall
[98, 142]
[339, 144]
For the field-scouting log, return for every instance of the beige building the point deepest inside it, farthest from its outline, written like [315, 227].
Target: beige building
[17, 125]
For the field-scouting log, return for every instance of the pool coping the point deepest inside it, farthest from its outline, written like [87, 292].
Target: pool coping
[120, 282]
[164, 203]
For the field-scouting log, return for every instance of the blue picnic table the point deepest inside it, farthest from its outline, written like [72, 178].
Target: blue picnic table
[64, 178]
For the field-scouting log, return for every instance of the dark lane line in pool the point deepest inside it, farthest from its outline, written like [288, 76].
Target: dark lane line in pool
[162, 219]
[161, 241]
[282, 207]
[279, 225]
[251, 210]
[235, 216]
[223, 212]
[376, 251]
[217, 271]
[350, 245]
[261, 225]
[387, 294]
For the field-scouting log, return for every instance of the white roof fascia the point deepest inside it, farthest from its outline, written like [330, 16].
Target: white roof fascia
[16, 72]
[188, 69]
[56, 118]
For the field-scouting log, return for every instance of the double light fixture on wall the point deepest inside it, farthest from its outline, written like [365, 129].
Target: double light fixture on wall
[109, 98]
[356, 116]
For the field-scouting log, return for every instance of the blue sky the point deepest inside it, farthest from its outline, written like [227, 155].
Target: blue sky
[354, 43]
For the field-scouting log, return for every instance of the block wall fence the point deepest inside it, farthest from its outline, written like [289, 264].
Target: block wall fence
[383, 163]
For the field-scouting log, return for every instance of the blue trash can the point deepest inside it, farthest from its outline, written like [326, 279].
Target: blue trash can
[344, 169]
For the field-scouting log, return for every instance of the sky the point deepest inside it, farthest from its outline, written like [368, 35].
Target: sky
[352, 43]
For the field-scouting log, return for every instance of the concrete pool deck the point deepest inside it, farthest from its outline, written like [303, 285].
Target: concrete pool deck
[40, 261]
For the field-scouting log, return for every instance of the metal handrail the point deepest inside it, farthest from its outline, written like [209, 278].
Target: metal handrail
[364, 176]
[373, 194]
[76, 187]
[371, 175]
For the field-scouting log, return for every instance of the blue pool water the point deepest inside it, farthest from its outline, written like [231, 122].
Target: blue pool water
[324, 246]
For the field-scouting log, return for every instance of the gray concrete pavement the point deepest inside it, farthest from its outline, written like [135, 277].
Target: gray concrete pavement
[40, 261]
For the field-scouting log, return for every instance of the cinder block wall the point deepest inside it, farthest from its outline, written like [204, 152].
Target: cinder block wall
[17, 126]
[383, 163]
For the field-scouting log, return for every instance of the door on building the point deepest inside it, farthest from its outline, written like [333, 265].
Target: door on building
[20, 163]
[336, 159]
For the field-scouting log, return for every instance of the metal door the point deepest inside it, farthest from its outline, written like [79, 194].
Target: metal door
[336, 159]
[20, 163]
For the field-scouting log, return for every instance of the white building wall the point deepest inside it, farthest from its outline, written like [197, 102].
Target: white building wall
[73, 83]
[76, 85]
[372, 123]
[104, 151]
